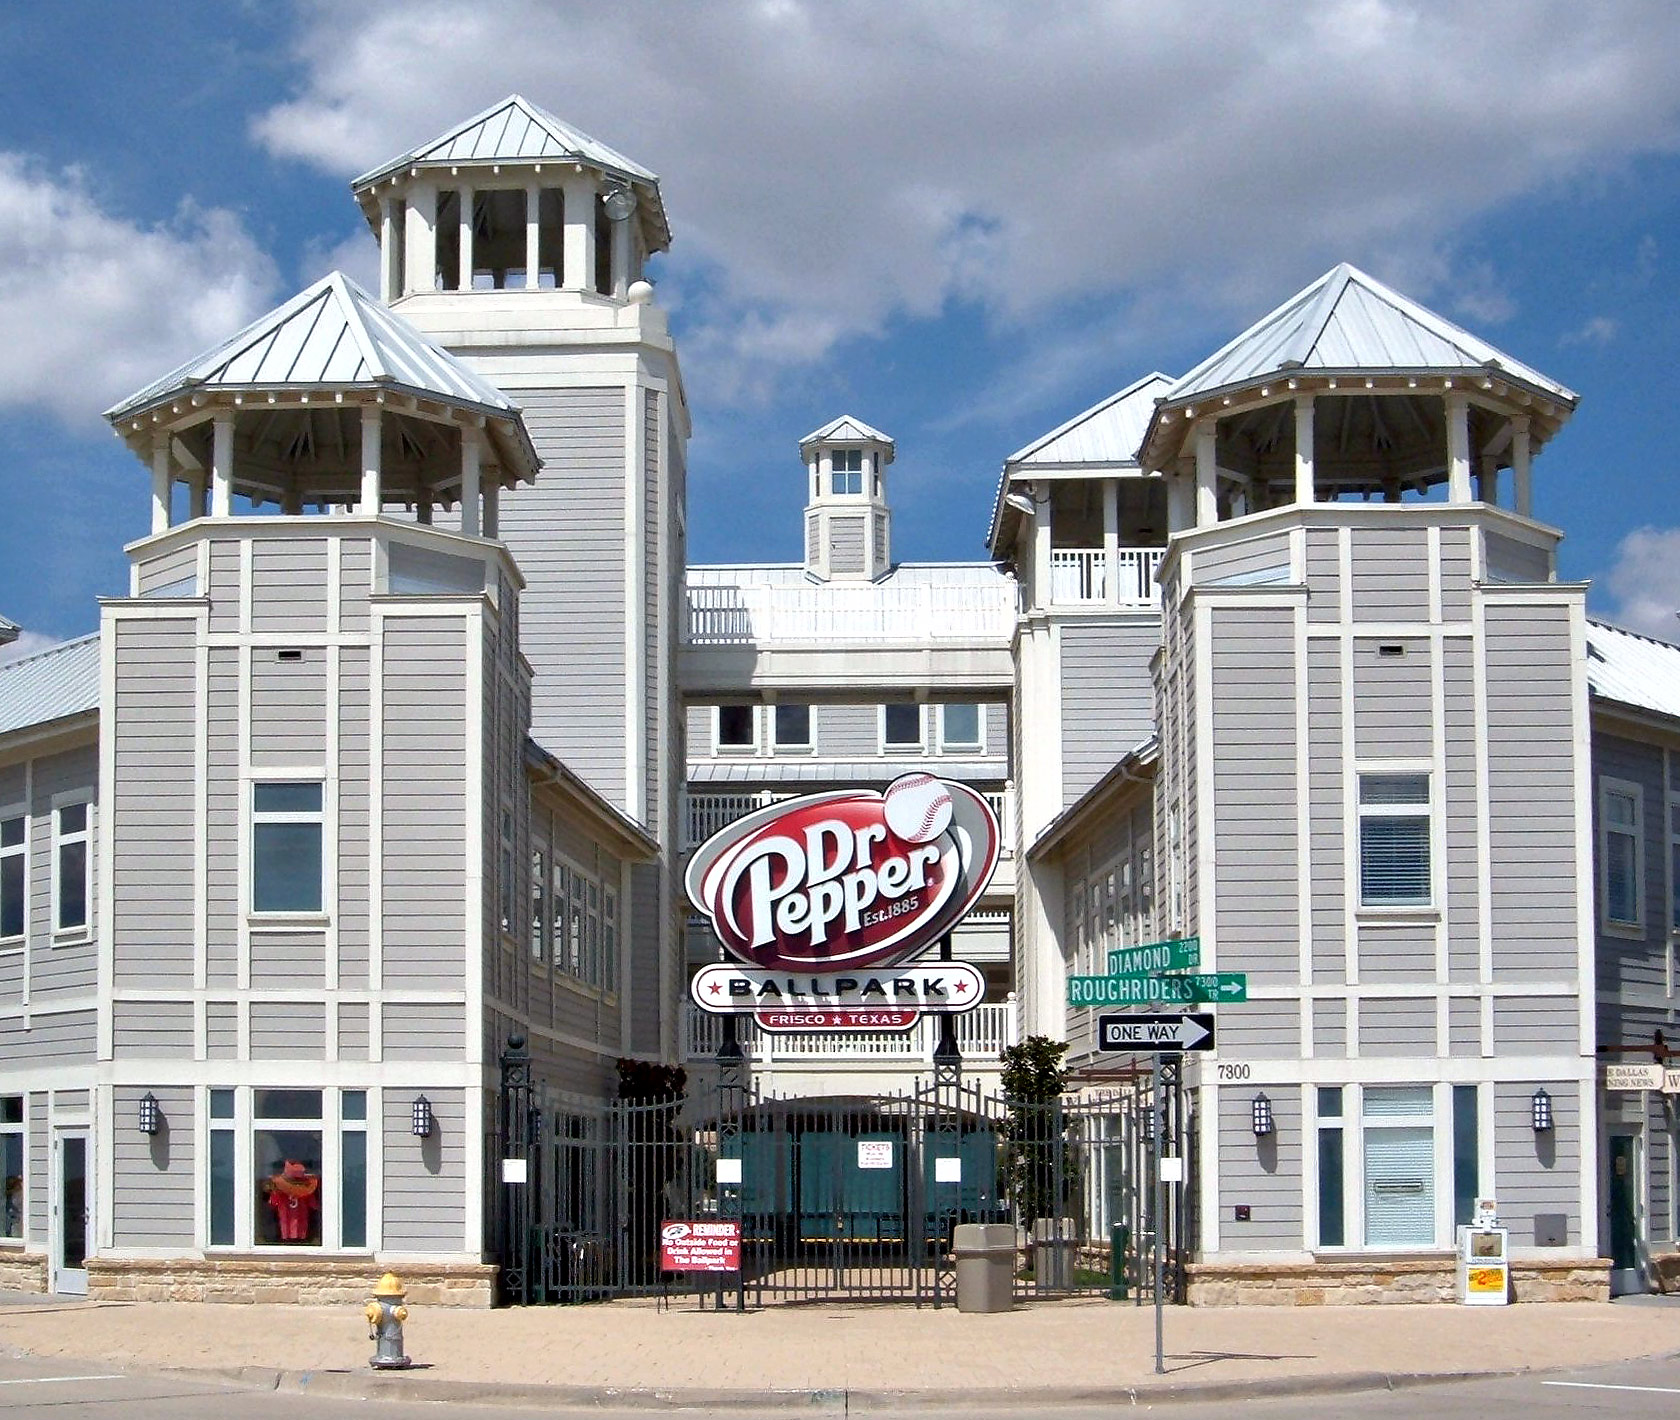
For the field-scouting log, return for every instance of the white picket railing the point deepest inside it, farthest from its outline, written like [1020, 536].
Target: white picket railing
[1081, 574]
[737, 614]
[982, 1035]
[707, 813]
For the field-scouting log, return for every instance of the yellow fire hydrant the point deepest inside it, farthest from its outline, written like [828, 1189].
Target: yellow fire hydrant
[385, 1316]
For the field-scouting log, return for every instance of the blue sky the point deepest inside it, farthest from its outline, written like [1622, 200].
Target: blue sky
[961, 222]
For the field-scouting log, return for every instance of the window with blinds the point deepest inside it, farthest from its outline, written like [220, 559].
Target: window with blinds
[1394, 831]
[1399, 1161]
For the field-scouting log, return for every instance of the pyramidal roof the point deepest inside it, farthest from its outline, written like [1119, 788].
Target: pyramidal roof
[1107, 433]
[845, 429]
[1347, 322]
[335, 334]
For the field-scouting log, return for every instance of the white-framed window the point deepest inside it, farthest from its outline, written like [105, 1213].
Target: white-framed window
[734, 728]
[72, 882]
[11, 1167]
[791, 726]
[903, 727]
[288, 824]
[1394, 837]
[962, 727]
[846, 471]
[14, 874]
[585, 926]
[1397, 1126]
[1332, 1155]
[539, 904]
[1621, 852]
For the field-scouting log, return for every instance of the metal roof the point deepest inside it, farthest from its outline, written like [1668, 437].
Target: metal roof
[846, 429]
[1633, 670]
[333, 335]
[9, 631]
[1348, 322]
[49, 685]
[767, 774]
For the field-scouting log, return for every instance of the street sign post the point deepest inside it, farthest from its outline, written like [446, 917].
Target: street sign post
[1192, 990]
[1156, 1033]
[1178, 954]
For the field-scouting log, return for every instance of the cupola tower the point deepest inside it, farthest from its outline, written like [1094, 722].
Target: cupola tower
[848, 526]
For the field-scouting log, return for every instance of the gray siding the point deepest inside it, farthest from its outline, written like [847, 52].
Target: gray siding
[1540, 1025]
[1397, 1027]
[1264, 1173]
[1327, 790]
[1509, 560]
[288, 707]
[1260, 1030]
[64, 1038]
[352, 1030]
[221, 1029]
[1393, 712]
[1629, 962]
[1330, 1028]
[1461, 806]
[173, 573]
[35, 1182]
[1400, 951]
[288, 1030]
[1390, 574]
[1537, 1173]
[288, 959]
[1107, 696]
[353, 819]
[845, 545]
[153, 1174]
[1455, 574]
[156, 1029]
[1324, 575]
[1464, 1026]
[417, 1031]
[424, 1199]
[289, 586]
[1259, 559]
[222, 855]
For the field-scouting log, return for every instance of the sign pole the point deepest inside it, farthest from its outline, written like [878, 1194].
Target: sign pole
[1159, 1105]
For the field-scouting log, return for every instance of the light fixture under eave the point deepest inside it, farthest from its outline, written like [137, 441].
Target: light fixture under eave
[1261, 1112]
[423, 1118]
[1540, 1111]
[151, 1114]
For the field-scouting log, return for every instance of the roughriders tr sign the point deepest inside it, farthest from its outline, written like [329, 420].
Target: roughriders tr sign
[824, 899]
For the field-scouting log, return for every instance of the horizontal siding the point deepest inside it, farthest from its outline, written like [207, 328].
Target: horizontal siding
[1391, 1027]
[1540, 1025]
[1239, 562]
[418, 1031]
[289, 586]
[65, 1038]
[152, 1201]
[1393, 716]
[424, 1199]
[1108, 698]
[221, 1029]
[1537, 1172]
[282, 960]
[1390, 574]
[288, 1030]
[288, 721]
[1263, 1173]
[1400, 952]
[154, 1029]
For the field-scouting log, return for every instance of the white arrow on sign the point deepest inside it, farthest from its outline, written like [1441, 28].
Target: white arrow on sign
[1156, 1033]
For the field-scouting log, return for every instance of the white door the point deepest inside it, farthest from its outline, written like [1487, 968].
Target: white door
[70, 1211]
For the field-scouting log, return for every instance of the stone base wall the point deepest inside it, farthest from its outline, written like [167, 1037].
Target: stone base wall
[306, 1281]
[1358, 1283]
[1665, 1271]
[23, 1271]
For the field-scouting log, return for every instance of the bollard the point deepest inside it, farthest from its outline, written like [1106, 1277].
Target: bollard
[1118, 1236]
[385, 1316]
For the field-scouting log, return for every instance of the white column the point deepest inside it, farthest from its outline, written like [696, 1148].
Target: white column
[421, 244]
[466, 239]
[621, 206]
[533, 235]
[162, 483]
[1181, 502]
[1041, 552]
[1207, 474]
[389, 277]
[579, 273]
[472, 449]
[221, 465]
[1524, 488]
[1303, 448]
[1458, 448]
[372, 493]
[492, 495]
[1487, 480]
[1111, 539]
[197, 487]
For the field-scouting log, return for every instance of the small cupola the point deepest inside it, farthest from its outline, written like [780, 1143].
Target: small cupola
[513, 199]
[848, 526]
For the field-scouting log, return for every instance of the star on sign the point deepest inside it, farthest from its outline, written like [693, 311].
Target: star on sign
[714, 987]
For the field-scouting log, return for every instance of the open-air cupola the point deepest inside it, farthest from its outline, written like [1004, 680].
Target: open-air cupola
[330, 402]
[513, 199]
[1350, 390]
[848, 526]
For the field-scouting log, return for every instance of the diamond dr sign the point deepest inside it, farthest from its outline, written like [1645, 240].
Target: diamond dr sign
[1178, 954]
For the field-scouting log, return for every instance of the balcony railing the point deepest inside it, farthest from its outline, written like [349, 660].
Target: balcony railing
[747, 613]
[982, 1035]
[1081, 574]
[707, 813]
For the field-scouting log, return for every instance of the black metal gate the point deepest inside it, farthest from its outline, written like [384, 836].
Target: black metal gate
[842, 1198]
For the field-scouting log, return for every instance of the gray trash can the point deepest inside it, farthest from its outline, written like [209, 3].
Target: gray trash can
[1054, 1246]
[985, 1254]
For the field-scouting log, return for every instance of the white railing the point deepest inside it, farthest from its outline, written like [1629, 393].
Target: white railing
[1003, 806]
[982, 1035]
[1081, 574]
[722, 614]
[707, 813]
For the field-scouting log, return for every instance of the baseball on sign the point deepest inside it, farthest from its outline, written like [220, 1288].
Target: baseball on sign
[918, 807]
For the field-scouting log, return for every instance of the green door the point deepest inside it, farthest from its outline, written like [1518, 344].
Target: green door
[1624, 1218]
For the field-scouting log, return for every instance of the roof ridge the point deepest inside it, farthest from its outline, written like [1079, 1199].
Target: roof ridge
[68, 644]
[1606, 625]
[1335, 283]
[1068, 425]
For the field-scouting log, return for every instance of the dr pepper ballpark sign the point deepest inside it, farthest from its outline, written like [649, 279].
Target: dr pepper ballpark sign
[825, 900]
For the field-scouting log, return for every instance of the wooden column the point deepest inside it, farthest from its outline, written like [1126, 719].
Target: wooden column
[1304, 449]
[1041, 552]
[533, 235]
[472, 451]
[1111, 539]
[162, 483]
[1207, 473]
[390, 277]
[492, 495]
[372, 493]
[420, 254]
[1522, 486]
[466, 239]
[221, 465]
[1487, 480]
[579, 272]
[1458, 448]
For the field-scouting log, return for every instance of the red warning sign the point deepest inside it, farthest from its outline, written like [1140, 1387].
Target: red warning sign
[701, 1246]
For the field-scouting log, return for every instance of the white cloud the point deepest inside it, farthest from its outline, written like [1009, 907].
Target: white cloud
[1596, 330]
[356, 255]
[27, 644]
[97, 305]
[829, 167]
[1645, 581]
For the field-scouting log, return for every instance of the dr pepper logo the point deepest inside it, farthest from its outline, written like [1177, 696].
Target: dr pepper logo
[853, 878]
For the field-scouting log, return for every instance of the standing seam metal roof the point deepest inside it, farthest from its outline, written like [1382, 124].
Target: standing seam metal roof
[49, 685]
[1632, 669]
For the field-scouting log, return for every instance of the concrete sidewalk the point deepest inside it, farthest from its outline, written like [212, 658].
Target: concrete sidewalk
[866, 1356]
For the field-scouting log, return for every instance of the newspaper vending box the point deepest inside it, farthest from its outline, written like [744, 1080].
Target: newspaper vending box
[1484, 1267]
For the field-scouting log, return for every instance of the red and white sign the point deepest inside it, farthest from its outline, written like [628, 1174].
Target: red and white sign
[843, 881]
[841, 1018]
[702, 1246]
[944, 988]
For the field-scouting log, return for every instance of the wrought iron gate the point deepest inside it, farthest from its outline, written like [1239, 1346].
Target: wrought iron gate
[841, 1198]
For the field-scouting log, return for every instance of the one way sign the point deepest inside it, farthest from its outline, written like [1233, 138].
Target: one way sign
[1156, 1034]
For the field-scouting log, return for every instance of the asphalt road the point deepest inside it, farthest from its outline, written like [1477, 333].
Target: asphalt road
[31, 1387]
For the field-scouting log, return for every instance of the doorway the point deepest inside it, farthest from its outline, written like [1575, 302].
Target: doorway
[70, 1212]
[1622, 1192]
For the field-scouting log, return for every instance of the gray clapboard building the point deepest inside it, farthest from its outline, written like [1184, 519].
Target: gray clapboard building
[395, 744]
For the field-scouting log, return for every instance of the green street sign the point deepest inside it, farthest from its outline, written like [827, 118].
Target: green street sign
[1153, 990]
[1178, 954]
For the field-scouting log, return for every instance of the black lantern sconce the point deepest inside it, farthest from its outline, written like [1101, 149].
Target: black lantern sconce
[1261, 1114]
[423, 1118]
[1540, 1111]
[151, 1115]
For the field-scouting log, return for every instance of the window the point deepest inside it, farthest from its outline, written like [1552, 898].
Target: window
[847, 476]
[793, 726]
[222, 1186]
[287, 1157]
[959, 726]
[1621, 851]
[737, 727]
[71, 867]
[901, 726]
[14, 842]
[1394, 840]
[11, 1165]
[1399, 1157]
[1466, 1163]
[1332, 1211]
[286, 827]
[585, 927]
[352, 1168]
[539, 904]
[505, 866]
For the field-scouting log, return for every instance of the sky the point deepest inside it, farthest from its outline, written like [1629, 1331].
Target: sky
[962, 221]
